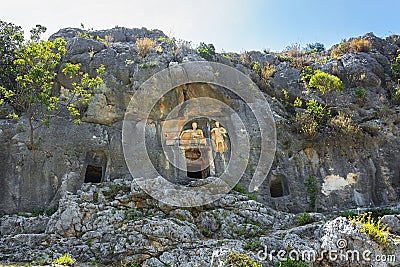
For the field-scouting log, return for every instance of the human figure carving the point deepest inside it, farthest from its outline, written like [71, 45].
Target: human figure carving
[192, 135]
[218, 135]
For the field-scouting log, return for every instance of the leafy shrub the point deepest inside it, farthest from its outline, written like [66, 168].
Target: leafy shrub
[291, 263]
[253, 245]
[312, 188]
[256, 66]
[394, 91]
[306, 73]
[206, 51]
[315, 47]
[297, 102]
[347, 214]
[325, 83]
[64, 260]
[243, 191]
[304, 218]
[360, 93]
[372, 227]
[315, 109]
[144, 45]
[395, 70]
[240, 260]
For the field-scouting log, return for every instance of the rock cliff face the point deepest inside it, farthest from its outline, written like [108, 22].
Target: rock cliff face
[117, 223]
[349, 170]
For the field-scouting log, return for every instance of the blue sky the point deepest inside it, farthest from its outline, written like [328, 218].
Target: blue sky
[235, 25]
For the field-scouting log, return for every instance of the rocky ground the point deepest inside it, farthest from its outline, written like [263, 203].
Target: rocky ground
[115, 223]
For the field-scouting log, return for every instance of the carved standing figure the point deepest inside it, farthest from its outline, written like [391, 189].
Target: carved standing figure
[218, 135]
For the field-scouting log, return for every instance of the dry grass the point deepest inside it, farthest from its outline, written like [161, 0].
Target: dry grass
[355, 45]
[245, 59]
[267, 71]
[144, 45]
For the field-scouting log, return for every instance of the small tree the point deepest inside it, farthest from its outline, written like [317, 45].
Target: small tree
[316, 114]
[11, 36]
[325, 83]
[35, 65]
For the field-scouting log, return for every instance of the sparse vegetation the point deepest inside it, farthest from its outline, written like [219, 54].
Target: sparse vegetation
[342, 123]
[253, 245]
[325, 83]
[245, 59]
[315, 114]
[372, 227]
[306, 74]
[64, 260]
[243, 191]
[304, 218]
[144, 46]
[206, 51]
[355, 45]
[107, 40]
[291, 263]
[312, 189]
[267, 70]
[240, 260]
[360, 93]
[315, 47]
[347, 214]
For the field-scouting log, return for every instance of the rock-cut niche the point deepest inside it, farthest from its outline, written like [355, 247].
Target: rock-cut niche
[95, 163]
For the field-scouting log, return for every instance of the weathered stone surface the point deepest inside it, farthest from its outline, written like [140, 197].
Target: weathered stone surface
[103, 223]
[38, 179]
[393, 223]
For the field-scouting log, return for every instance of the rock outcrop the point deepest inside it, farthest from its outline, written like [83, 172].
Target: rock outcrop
[38, 179]
[115, 222]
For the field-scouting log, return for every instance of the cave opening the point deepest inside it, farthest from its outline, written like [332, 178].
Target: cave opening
[276, 188]
[93, 174]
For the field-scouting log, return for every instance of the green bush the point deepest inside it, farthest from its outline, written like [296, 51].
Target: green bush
[395, 70]
[64, 260]
[291, 263]
[243, 191]
[206, 51]
[315, 47]
[304, 218]
[253, 245]
[360, 93]
[325, 83]
[312, 188]
[347, 214]
[306, 74]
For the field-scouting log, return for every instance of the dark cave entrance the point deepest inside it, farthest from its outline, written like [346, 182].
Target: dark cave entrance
[93, 174]
[199, 169]
[278, 187]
